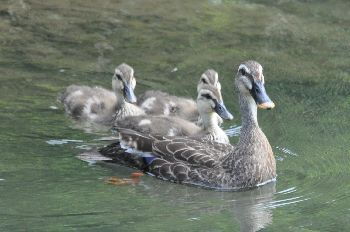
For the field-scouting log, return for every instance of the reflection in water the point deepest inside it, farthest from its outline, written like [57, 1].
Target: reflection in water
[252, 209]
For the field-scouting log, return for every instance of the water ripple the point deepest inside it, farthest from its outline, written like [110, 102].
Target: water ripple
[63, 141]
[284, 202]
[233, 131]
[288, 190]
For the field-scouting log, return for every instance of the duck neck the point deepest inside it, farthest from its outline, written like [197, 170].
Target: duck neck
[210, 121]
[120, 99]
[124, 108]
[249, 112]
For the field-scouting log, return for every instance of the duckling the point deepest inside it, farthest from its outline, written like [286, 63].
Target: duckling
[209, 103]
[161, 103]
[101, 106]
[184, 160]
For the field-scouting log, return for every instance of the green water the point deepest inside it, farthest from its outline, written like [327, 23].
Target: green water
[47, 45]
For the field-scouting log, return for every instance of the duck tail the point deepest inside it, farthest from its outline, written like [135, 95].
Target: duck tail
[116, 153]
[137, 140]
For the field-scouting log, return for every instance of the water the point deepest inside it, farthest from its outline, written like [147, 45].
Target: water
[47, 45]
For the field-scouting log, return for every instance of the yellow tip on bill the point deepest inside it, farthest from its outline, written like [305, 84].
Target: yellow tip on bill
[266, 105]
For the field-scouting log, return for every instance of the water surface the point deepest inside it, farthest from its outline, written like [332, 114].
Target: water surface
[48, 45]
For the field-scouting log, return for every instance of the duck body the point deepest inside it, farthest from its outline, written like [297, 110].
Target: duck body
[102, 106]
[155, 102]
[207, 163]
[159, 125]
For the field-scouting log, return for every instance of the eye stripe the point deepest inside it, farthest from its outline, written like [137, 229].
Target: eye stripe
[204, 80]
[207, 96]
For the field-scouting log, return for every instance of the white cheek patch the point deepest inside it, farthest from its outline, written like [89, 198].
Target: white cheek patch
[260, 70]
[218, 85]
[204, 91]
[133, 83]
[243, 66]
[216, 77]
[118, 72]
[212, 104]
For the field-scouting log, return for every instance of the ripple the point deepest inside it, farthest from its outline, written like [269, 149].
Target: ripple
[233, 131]
[84, 147]
[288, 190]
[193, 219]
[107, 138]
[285, 202]
[287, 151]
[53, 107]
[62, 141]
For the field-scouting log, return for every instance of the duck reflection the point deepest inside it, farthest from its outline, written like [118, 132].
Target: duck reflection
[250, 209]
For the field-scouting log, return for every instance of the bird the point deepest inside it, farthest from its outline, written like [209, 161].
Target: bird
[102, 106]
[210, 105]
[155, 102]
[183, 160]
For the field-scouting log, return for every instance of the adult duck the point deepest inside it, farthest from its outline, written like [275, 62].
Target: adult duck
[183, 160]
[102, 106]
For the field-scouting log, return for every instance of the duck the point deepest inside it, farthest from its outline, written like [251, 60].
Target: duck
[209, 104]
[183, 160]
[102, 106]
[155, 102]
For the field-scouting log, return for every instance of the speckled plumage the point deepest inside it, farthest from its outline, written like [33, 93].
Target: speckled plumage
[209, 164]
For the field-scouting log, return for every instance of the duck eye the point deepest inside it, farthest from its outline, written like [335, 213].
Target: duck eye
[242, 71]
[204, 81]
[207, 96]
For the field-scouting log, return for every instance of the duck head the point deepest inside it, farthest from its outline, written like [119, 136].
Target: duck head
[209, 77]
[123, 81]
[209, 100]
[250, 82]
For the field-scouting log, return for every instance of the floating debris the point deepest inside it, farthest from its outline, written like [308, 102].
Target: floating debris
[134, 179]
[53, 107]
[174, 69]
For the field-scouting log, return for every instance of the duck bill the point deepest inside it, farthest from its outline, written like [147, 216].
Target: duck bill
[129, 94]
[260, 96]
[221, 110]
